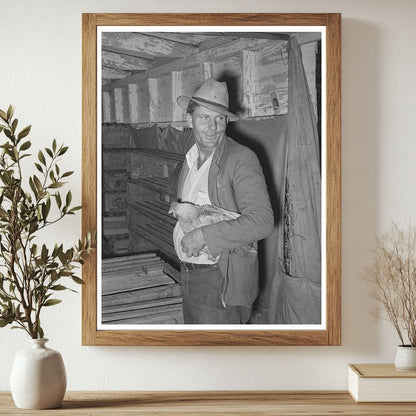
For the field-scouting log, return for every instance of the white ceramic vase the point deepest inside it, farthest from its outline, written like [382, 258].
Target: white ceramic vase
[38, 377]
[405, 358]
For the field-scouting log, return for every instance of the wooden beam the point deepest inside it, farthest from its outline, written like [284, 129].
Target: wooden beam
[188, 38]
[233, 48]
[112, 74]
[249, 82]
[153, 100]
[263, 105]
[124, 62]
[261, 35]
[106, 107]
[207, 69]
[133, 102]
[177, 112]
[215, 42]
[118, 105]
[307, 37]
[131, 42]
[126, 52]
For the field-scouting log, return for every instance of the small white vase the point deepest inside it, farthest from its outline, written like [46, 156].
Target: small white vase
[405, 358]
[38, 377]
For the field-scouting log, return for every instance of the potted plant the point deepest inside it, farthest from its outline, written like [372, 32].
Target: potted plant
[31, 272]
[393, 276]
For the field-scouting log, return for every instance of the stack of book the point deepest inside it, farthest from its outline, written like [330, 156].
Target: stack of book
[381, 383]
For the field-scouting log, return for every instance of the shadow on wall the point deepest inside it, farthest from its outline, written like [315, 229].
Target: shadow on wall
[361, 47]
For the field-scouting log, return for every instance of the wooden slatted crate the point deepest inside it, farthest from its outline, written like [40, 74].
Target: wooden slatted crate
[140, 289]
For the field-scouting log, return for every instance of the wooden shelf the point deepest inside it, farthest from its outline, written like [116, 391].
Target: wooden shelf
[156, 211]
[159, 184]
[158, 236]
[221, 403]
[115, 170]
[161, 154]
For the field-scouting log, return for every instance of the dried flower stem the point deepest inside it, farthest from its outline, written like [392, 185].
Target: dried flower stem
[393, 276]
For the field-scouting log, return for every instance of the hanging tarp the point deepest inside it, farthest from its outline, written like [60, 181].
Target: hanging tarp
[298, 277]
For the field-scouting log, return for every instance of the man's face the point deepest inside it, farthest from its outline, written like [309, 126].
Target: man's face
[209, 128]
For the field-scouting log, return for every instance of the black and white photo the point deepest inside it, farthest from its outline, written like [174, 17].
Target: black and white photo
[212, 121]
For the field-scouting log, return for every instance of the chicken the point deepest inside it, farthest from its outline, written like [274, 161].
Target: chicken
[191, 216]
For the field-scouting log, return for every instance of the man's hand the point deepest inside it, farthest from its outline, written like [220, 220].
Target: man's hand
[193, 243]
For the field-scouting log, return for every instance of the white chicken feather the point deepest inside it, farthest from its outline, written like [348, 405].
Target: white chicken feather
[191, 216]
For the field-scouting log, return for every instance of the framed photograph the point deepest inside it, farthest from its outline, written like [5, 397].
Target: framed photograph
[211, 172]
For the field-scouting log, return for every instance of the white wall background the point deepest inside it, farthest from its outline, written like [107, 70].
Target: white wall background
[40, 74]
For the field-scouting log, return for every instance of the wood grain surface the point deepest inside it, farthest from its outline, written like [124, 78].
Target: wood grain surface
[332, 334]
[212, 403]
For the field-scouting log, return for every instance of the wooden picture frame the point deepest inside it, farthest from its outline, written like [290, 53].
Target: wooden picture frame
[331, 334]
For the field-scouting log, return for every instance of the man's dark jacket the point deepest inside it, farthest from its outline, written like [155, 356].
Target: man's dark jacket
[236, 183]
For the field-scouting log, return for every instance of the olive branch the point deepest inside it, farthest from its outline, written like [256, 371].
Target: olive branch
[31, 274]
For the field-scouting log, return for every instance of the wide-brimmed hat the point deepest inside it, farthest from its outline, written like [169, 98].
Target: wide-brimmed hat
[212, 95]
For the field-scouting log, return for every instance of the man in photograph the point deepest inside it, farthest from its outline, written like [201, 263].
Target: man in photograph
[219, 268]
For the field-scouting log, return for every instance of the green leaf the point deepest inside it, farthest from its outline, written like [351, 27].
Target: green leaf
[63, 150]
[67, 174]
[37, 182]
[24, 132]
[40, 332]
[33, 187]
[68, 199]
[51, 302]
[25, 145]
[59, 287]
[3, 115]
[45, 211]
[44, 253]
[10, 112]
[14, 125]
[56, 185]
[41, 157]
[58, 199]
[5, 321]
[39, 167]
[77, 208]
[49, 152]
[8, 133]
[62, 257]
[76, 279]
[54, 145]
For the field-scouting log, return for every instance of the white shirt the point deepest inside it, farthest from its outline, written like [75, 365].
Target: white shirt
[195, 190]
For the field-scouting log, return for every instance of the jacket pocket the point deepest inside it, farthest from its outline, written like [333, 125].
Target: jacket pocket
[242, 283]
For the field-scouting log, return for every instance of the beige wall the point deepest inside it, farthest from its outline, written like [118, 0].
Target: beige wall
[40, 73]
